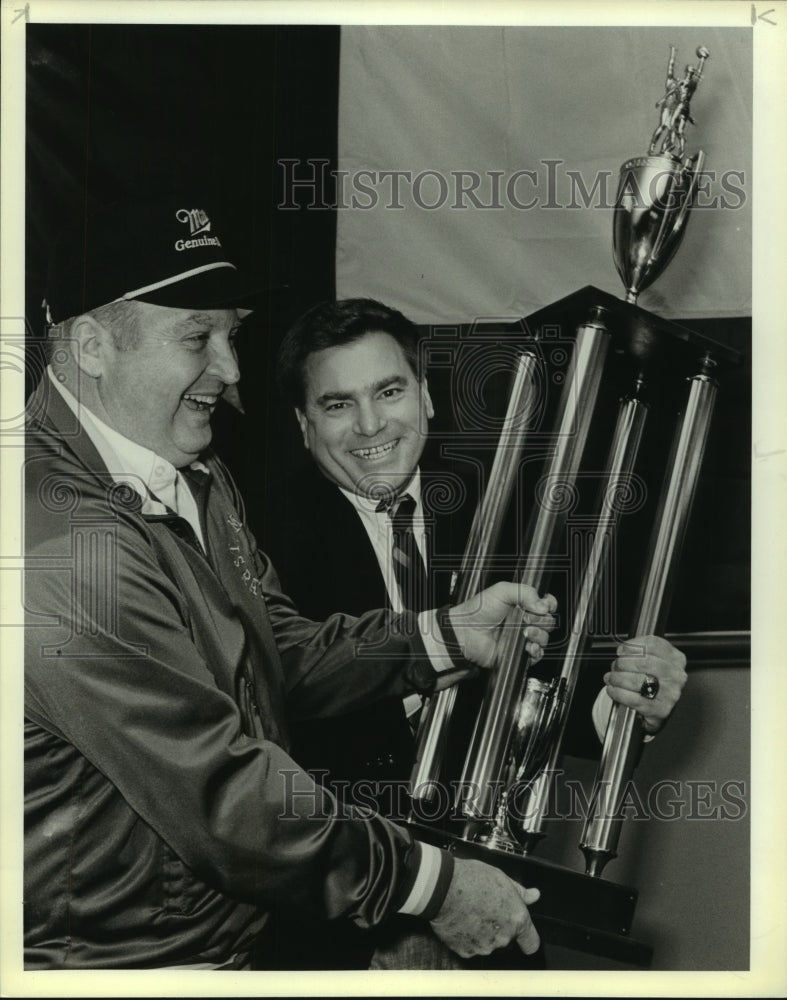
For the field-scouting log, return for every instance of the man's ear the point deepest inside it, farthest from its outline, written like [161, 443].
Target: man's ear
[89, 338]
[427, 399]
[303, 423]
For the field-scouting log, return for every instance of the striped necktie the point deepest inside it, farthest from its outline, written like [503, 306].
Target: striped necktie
[408, 565]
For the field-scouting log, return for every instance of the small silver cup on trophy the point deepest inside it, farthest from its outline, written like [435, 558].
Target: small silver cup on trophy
[656, 192]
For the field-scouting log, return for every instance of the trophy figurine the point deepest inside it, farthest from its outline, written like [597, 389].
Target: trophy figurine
[655, 192]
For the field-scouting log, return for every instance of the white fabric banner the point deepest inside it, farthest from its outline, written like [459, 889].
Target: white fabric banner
[478, 166]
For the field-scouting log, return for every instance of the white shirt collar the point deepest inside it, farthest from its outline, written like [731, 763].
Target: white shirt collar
[127, 462]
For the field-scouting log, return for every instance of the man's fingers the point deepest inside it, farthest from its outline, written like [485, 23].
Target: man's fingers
[656, 708]
[551, 602]
[536, 634]
[630, 680]
[484, 909]
[528, 939]
[526, 597]
[529, 896]
[656, 665]
[529, 599]
[624, 684]
[646, 657]
[546, 622]
[641, 646]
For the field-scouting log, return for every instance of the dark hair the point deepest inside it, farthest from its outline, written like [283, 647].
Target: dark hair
[331, 324]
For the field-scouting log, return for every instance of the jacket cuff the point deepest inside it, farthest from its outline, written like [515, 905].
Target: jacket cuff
[430, 875]
[446, 664]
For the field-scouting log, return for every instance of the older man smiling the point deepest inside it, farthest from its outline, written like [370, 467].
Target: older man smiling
[164, 817]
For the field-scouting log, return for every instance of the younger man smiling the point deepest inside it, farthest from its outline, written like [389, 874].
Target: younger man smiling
[351, 371]
[364, 414]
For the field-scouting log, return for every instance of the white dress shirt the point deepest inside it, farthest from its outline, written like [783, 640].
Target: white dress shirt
[379, 528]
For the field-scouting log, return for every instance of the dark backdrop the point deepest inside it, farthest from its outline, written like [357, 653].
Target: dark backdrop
[129, 111]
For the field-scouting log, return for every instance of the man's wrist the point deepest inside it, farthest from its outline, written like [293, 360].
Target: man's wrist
[430, 874]
[446, 663]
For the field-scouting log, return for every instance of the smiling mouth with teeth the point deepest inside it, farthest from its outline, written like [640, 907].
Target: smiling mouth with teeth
[379, 451]
[199, 401]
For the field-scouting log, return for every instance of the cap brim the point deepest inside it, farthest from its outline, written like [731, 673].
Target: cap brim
[222, 288]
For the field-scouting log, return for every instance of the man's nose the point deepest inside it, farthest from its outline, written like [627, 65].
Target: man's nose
[369, 420]
[224, 364]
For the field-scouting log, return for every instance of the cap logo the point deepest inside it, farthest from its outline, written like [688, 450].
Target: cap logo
[196, 218]
[199, 225]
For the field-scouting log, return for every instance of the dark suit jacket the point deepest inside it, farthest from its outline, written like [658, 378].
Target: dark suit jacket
[326, 564]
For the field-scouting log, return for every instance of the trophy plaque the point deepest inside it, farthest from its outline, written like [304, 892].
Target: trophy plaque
[582, 416]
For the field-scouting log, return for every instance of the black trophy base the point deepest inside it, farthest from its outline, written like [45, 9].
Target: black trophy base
[575, 911]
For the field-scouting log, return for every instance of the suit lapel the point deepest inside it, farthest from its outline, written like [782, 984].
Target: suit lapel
[352, 563]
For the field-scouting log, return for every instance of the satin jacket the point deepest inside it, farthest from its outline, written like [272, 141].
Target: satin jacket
[163, 815]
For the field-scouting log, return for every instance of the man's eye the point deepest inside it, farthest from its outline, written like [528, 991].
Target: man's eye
[334, 407]
[197, 340]
[392, 393]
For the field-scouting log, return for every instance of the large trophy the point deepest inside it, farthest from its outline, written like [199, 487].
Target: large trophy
[618, 365]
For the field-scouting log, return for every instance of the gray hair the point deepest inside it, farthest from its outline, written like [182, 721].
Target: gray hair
[120, 318]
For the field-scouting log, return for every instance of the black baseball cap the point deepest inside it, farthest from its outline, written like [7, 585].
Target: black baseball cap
[170, 252]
